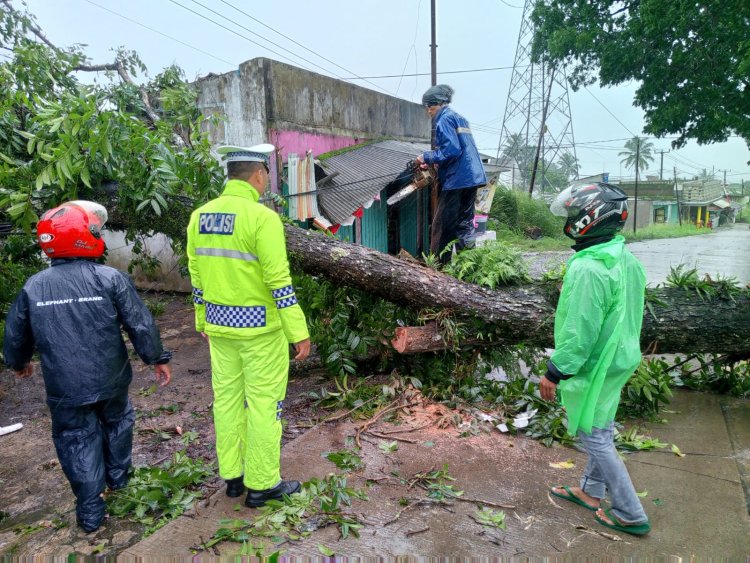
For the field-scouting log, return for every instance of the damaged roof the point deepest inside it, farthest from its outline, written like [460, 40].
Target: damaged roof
[363, 172]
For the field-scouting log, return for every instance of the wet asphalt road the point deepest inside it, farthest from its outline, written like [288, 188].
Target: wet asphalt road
[726, 251]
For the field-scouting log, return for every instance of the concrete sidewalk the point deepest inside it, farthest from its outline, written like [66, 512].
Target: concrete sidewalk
[697, 504]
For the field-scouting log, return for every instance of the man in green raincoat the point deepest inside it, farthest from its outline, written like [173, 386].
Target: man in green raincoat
[246, 306]
[597, 347]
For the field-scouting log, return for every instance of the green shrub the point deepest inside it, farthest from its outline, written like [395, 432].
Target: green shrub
[491, 265]
[19, 259]
[524, 215]
[718, 374]
[646, 392]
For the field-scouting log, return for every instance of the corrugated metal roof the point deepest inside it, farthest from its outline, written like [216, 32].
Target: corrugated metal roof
[362, 173]
[721, 203]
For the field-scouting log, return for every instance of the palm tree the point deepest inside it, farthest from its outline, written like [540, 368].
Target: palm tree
[640, 147]
[568, 165]
[516, 148]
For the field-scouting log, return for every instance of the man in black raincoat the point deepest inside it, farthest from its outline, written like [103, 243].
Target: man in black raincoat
[72, 313]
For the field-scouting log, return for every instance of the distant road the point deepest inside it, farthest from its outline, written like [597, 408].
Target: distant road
[726, 251]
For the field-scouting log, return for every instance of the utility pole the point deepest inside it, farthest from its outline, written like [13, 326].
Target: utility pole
[743, 195]
[637, 167]
[725, 176]
[661, 166]
[433, 45]
[542, 131]
[422, 198]
[677, 196]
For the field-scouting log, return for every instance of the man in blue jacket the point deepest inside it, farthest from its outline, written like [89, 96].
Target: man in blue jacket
[460, 173]
[72, 313]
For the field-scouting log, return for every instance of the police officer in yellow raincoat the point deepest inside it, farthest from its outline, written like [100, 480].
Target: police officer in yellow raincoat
[246, 306]
[597, 347]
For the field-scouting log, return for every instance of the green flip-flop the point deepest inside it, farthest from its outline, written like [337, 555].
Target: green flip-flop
[634, 529]
[571, 497]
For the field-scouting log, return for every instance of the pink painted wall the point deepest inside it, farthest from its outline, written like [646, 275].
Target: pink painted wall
[300, 142]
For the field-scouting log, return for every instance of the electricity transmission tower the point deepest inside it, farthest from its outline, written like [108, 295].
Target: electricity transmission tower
[537, 126]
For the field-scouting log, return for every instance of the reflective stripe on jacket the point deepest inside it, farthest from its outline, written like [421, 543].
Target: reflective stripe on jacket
[456, 154]
[239, 268]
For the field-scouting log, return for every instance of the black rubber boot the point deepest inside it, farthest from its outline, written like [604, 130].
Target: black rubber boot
[235, 487]
[259, 498]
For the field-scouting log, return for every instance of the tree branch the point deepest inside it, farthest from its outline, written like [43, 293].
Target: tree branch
[34, 29]
[117, 66]
[96, 68]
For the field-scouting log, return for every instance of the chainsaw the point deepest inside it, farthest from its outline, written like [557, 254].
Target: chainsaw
[421, 177]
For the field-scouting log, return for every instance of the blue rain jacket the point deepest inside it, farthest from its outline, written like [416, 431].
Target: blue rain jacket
[456, 154]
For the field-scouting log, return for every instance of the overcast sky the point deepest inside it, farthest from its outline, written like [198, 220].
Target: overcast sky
[369, 38]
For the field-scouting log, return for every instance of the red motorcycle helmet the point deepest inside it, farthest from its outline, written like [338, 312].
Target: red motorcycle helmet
[72, 230]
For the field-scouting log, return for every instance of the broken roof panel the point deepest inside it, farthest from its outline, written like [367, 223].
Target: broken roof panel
[363, 172]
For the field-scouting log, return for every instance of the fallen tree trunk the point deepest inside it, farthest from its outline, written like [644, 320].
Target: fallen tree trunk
[427, 338]
[678, 321]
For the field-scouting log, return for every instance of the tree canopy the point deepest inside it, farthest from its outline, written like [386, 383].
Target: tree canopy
[691, 59]
[138, 149]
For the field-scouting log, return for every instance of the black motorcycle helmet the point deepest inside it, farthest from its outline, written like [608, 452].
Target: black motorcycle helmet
[592, 210]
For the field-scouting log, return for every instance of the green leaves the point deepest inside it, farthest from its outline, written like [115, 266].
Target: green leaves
[321, 502]
[490, 518]
[156, 495]
[658, 45]
[388, 447]
[61, 140]
[647, 390]
[491, 265]
[345, 459]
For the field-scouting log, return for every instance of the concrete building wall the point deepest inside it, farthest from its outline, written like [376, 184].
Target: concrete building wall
[268, 101]
[166, 278]
[645, 214]
[237, 100]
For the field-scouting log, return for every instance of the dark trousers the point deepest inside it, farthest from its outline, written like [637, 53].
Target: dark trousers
[94, 444]
[453, 221]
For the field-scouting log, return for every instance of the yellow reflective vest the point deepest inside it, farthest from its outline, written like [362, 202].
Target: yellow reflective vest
[239, 268]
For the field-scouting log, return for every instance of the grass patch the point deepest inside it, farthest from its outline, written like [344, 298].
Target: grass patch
[525, 244]
[663, 231]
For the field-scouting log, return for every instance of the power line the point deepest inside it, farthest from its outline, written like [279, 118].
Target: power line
[511, 5]
[235, 33]
[298, 44]
[439, 72]
[610, 113]
[160, 33]
[687, 162]
[262, 37]
[413, 47]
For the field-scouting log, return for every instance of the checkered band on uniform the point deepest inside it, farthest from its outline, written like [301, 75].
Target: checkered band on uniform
[286, 302]
[282, 292]
[247, 154]
[237, 317]
[198, 296]
[279, 409]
